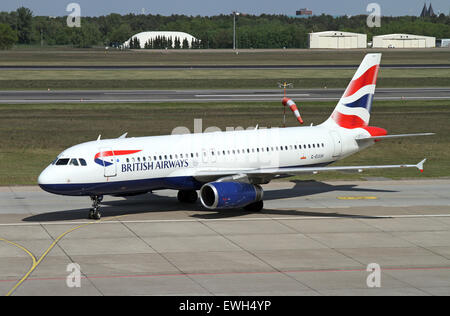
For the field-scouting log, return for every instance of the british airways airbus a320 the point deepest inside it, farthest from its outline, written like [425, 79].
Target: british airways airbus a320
[227, 167]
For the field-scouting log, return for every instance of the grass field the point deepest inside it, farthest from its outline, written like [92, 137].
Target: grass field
[100, 57]
[212, 79]
[17, 79]
[32, 135]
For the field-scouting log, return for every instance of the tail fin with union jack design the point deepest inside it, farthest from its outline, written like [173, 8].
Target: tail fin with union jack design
[353, 109]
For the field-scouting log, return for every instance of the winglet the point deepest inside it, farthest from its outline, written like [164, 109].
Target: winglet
[420, 165]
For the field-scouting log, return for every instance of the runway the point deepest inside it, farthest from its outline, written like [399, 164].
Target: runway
[139, 96]
[212, 67]
[312, 238]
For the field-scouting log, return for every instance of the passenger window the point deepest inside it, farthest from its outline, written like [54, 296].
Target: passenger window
[73, 162]
[83, 162]
[62, 162]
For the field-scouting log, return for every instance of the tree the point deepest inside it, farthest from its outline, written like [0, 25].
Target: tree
[185, 43]
[119, 35]
[8, 37]
[24, 25]
[85, 36]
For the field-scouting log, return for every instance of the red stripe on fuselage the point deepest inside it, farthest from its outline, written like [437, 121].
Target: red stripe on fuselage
[367, 78]
[115, 153]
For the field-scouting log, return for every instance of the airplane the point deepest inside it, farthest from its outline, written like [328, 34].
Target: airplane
[227, 168]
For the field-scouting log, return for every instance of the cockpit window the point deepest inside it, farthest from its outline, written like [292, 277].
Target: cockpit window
[62, 162]
[83, 162]
[54, 161]
[73, 162]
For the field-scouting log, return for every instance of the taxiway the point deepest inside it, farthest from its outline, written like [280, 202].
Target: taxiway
[312, 238]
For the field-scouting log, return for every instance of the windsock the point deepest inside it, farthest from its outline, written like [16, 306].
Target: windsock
[293, 107]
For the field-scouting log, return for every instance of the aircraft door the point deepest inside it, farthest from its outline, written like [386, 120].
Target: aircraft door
[337, 142]
[109, 162]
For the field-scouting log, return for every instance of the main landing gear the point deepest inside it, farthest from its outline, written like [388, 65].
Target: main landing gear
[187, 196]
[94, 212]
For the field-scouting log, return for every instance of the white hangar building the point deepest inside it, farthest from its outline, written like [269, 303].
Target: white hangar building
[403, 41]
[337, 39]
[144, 37]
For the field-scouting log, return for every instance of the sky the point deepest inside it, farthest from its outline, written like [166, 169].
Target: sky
[216, 7]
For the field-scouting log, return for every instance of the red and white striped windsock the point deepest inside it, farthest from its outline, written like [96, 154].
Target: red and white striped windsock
[293, 107]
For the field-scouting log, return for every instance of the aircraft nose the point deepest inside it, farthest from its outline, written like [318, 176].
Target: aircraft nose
[43, 178]
[45, 181]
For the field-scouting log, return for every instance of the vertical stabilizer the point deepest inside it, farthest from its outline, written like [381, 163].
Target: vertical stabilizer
[353, 109]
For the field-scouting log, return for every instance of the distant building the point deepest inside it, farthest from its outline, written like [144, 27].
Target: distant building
[337, 40]
[303, 13]
[445, 42]
[403, 41]
[145, 37]
[427, 12]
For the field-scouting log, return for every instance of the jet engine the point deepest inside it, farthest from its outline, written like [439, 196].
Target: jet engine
[220, 195]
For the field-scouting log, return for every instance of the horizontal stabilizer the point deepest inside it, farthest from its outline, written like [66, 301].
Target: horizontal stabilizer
[394, 136]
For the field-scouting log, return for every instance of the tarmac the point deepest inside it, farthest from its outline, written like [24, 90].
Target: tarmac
[220, 95]
[312, 238]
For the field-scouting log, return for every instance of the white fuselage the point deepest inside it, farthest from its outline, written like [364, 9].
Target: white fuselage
[140, 164]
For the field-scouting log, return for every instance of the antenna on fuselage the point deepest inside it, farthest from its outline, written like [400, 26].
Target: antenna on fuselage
[99, 136]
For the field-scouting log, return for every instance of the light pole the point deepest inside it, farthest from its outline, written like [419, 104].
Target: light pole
[234, 28]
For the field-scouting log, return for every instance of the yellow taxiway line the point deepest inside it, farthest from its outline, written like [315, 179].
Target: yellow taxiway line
[42, 257]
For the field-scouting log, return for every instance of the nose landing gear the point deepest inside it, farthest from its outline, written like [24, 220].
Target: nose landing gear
[94, 212]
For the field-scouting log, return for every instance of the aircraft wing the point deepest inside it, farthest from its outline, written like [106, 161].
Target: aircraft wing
[237, 174]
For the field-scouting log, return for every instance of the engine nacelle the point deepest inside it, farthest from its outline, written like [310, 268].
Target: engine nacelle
[216, 195]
